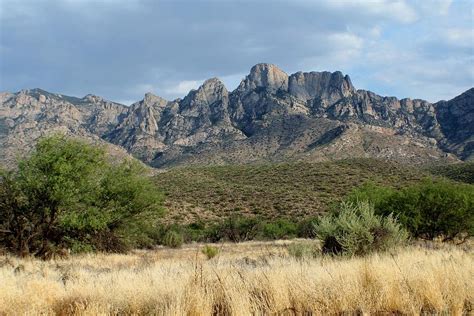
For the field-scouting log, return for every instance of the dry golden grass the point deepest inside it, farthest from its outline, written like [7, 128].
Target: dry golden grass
[252, 278]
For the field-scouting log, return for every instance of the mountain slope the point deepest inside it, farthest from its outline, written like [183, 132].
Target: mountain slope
[456, 118]
[271, 116]
[288, 190]
[29, 114]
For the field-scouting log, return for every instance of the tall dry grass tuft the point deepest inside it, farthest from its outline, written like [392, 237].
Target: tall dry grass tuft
[412, 281]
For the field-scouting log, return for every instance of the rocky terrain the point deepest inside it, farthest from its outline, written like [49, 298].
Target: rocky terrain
[271, 116]
[30, 114]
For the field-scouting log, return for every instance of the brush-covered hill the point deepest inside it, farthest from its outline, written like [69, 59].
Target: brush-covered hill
[287, 190]
[461, 172]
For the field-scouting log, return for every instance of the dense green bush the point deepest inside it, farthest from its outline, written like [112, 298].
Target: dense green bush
[375, 194]
[67, 194]
[428, 210]
[238, 229]
[279, 229]
[357, 230]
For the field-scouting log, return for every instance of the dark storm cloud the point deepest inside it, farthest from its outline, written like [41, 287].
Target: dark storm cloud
[122, 49]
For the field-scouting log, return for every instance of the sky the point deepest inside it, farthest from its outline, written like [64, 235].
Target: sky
[122, 49]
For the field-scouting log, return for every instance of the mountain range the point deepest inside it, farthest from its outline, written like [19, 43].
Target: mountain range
[270, 117]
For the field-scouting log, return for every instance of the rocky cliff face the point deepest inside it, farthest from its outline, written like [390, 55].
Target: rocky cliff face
[154, 129]
[29, 114]
[271, 116]
[456, 119]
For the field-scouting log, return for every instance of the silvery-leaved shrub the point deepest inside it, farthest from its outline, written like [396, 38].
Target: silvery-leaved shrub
[356, 230]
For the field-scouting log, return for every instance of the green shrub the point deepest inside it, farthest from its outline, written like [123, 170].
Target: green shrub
[194, 232]
[305, 228]
[357, 230]
[79, 246]
[238, 229]
[301, 250]
[279, 229]
[428, 210]
[173, 239]
[371, 192]
[67, 194]
[210, 251]
[235, 229]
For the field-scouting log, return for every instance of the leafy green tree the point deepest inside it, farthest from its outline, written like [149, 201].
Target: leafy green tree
[372, 192]
[433, 209]
[428, 210]
[67, 194]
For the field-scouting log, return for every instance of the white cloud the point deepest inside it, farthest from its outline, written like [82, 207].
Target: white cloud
[397, 10]
[458, 36]
[346, 42]
[341, 51]
[126, 102]
[183, 87]
[123, 49]
[438, 7]
[375, 31]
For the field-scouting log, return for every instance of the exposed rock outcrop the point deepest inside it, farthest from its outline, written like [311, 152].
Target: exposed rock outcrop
[270, 117]
[264, 76]
[30, 114]
[456, 119]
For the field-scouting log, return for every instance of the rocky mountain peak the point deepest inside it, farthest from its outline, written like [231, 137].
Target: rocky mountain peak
[93, 98]
[213, 86]
[211, 91]
[266, 76]
[35, 94]
[213, 82]
[309, 85]
[270, 117]
[151, 99]
[4, 96]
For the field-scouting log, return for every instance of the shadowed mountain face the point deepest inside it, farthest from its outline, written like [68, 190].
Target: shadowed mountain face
[456, 119]
[271, 116]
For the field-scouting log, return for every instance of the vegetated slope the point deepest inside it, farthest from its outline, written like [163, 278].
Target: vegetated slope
[462, 172]
[287, 190]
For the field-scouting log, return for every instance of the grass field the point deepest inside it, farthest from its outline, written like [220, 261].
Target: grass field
[244, 279]
[289, 190]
